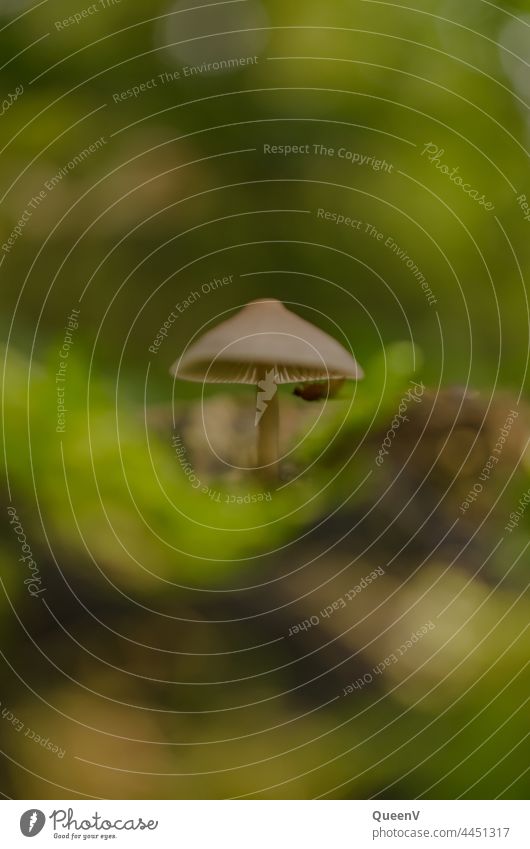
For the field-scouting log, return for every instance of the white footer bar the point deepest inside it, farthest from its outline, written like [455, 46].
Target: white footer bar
[266, 824]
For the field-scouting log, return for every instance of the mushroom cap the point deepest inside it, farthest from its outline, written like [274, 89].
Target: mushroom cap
[265, 335]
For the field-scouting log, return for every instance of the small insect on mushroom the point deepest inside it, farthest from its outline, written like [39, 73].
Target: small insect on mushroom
[320, 391]
[265, 344]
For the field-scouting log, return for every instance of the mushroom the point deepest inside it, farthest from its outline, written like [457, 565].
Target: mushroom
[266, 344]
[320, 390]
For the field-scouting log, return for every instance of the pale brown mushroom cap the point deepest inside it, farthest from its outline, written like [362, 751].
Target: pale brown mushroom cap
[266, 335]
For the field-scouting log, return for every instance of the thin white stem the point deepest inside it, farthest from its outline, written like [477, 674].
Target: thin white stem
[268, 438]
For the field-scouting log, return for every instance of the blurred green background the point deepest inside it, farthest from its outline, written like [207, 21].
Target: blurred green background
[159, 657]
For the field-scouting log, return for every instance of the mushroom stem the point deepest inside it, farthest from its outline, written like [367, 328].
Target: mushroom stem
[268, 437]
